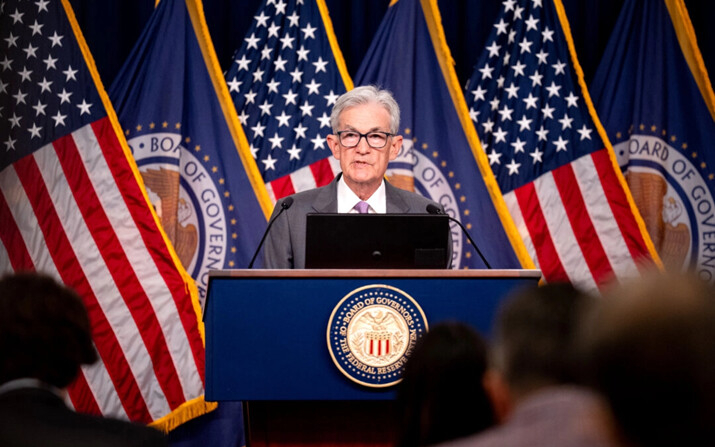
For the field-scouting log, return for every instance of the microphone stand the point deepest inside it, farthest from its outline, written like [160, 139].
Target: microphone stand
[287, 202]
[433, 209]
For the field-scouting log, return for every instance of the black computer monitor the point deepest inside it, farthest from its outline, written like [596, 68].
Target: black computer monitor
[377, 241]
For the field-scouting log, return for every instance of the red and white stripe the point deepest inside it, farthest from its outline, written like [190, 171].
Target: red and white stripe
[74, 210]
[577, 225]
[378, 346]
[312, 176]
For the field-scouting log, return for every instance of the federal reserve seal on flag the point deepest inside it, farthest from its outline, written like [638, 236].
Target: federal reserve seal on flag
[372, 332]
[674, 198]
[190, 201]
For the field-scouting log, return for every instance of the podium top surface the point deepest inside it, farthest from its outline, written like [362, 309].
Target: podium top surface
[368, 273]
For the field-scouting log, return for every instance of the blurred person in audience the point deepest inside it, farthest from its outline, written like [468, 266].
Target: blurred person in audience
[441, 396]
[652, 353]
[44, 339]
[534, 378]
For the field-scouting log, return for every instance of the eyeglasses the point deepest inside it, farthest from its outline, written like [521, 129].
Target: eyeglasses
[351, 138]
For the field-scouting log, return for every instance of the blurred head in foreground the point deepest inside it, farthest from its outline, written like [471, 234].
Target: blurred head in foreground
[442, 396]
[44, 330]
[652, 349]
[536, 338]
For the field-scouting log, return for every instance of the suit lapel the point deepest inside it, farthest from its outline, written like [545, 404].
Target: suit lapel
[395, 203]
[327, 199]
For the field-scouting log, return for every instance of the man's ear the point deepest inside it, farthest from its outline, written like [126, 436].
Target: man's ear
[332, 141]
[395, 146]
[499, 393]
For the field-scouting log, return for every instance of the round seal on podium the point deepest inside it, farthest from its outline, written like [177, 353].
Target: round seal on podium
[372, 332]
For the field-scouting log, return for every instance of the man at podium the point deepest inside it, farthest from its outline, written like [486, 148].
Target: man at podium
[365, 122]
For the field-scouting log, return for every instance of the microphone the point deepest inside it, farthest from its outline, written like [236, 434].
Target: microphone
[434, 209]
[287, 202]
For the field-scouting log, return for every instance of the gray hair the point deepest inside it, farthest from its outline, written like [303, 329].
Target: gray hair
[364, 95]
[534, 343]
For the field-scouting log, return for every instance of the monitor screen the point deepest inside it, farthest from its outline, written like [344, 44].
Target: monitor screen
[377, 241]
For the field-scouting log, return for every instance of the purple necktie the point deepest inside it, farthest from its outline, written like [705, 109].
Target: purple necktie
[361, 207]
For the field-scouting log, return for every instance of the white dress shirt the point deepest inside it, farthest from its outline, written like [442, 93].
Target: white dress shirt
[347, 199]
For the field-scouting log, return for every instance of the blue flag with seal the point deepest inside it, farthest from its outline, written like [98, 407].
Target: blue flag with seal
[182, 128]
[656, 102]
[179, 120]
[441, 157]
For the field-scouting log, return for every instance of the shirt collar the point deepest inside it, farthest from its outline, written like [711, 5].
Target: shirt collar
[347, 199]
[28, 382]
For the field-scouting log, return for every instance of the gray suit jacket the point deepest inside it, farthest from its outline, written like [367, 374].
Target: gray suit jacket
[559, 416]
[285, 243]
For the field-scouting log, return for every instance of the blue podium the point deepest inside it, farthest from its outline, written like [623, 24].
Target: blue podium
[272, 336]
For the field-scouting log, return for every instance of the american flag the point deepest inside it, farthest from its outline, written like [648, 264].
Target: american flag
[549, 153]
[71, 206]
[284, 80]
[440, 154]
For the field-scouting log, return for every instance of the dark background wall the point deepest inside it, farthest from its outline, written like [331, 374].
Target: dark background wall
[111, 28]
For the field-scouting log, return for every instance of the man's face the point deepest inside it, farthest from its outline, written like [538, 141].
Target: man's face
[363, 166]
